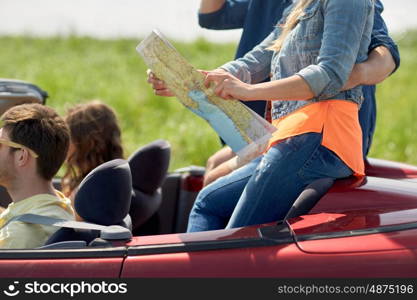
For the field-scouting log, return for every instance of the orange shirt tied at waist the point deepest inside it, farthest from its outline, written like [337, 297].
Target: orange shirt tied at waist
[337, 120]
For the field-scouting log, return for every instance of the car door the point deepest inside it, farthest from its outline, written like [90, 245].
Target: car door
[62, 263]
[243, 252]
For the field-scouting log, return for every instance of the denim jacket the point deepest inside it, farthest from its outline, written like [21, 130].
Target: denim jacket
[330, 37]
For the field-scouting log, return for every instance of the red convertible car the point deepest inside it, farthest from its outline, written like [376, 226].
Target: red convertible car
[352, 228]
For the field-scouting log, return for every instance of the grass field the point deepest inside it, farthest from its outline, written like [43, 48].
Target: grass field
[76, 69]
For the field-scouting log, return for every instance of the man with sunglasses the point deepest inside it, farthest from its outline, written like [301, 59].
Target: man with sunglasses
[33, 145]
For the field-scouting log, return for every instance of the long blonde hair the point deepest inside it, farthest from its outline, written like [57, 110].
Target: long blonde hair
[290, 23]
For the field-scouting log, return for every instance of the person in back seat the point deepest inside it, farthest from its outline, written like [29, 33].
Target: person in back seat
[95, 139]
[34, 142]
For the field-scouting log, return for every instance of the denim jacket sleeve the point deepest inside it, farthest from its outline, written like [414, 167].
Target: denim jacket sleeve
[231, 15]
[380, 35]
[255, 66]
[344, 25]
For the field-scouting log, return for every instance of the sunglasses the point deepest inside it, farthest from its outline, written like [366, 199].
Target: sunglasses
[18, 146]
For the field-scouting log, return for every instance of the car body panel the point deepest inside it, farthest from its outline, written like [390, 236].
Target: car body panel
[349, 221]
[214, 235]
[356, 232]
[390, 169]
[399, 240]
[242, 262]
[61, 268]
[373, 193]
[392, 254]
[280, 261]
[62, 263]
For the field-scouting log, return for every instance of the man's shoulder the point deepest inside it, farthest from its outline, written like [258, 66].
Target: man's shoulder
[52, 206]
[22, 235]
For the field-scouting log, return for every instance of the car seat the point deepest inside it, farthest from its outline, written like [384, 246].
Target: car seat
[149, 166]
[103, 198]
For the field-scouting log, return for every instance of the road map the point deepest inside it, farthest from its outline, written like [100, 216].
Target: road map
[239, 127]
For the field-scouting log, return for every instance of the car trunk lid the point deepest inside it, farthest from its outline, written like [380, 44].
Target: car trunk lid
[356, 231]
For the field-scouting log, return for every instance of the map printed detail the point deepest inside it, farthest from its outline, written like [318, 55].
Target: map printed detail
[239, 127]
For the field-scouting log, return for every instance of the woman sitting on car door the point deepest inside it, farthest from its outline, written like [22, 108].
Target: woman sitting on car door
[318, 135]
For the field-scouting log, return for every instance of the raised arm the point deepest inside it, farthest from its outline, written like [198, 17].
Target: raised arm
[222, 14]
[210, 6]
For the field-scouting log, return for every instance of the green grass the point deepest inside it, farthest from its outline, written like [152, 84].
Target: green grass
[77, 69]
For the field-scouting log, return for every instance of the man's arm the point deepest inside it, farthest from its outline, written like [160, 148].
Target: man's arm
[216, 166]
[377, 68]
[380, 36]
[384, 57]
[219, 157]
[232, 163]
[222, 14]
[209, 6]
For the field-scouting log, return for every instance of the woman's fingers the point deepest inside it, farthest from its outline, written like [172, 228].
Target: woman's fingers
[159, 86]
[152, 79]
[216, 76]
[223, 89]
[220, 89]
[211, 77]
[151, 75]
[164, 92]
[223, 83]
[204, 72]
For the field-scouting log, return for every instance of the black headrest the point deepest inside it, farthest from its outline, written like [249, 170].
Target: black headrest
[104, 195]
[149, 166]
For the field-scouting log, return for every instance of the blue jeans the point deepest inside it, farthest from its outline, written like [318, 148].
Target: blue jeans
[264, 190]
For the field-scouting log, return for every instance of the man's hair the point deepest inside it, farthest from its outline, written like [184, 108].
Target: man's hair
[41, 129]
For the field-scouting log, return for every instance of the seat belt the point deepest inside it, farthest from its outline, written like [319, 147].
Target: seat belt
[113, 232]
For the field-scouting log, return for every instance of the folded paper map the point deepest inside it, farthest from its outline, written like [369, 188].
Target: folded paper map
[239, 127]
